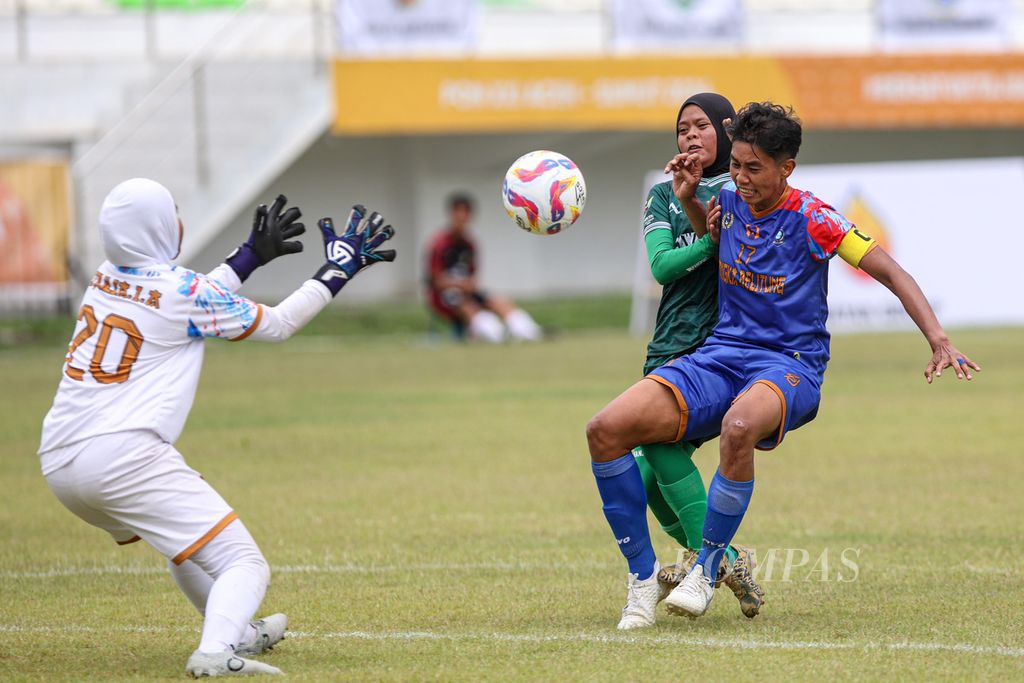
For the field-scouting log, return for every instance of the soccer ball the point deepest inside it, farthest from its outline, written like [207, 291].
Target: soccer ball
[544, 192]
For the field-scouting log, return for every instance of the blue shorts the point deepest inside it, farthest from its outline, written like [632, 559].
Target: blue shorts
[708, 381]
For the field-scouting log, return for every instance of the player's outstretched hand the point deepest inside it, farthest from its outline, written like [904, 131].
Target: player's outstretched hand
[947, 356]
[714, 219]
[273, 234]
[686, 171]
[355, 249]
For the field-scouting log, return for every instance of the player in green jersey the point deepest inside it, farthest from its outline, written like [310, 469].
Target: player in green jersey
[684, 262]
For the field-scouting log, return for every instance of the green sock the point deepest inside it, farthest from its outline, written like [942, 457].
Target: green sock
[688, 500]
[659, 506]
[681, 486]
[684, 495]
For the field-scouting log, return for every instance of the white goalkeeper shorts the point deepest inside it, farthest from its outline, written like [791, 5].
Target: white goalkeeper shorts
[136, 487]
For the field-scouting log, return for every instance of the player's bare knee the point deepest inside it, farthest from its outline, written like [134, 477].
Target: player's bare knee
[737, 435]
[600, 439]
[594, 433]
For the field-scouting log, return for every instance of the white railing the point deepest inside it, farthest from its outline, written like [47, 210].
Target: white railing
[222, 123]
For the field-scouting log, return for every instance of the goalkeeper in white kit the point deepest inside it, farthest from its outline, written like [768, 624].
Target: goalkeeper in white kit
[128, 383]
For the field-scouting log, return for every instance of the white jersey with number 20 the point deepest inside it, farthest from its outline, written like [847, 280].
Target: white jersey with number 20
[137, 350]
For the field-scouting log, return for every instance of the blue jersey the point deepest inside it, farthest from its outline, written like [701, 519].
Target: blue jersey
[773, 274]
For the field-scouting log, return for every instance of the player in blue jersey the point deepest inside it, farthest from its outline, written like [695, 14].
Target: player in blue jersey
[685, 262]
[759, 375]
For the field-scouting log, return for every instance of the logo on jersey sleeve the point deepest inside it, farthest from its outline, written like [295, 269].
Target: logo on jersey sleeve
[216, 311]
[779, 238]
[792, 379]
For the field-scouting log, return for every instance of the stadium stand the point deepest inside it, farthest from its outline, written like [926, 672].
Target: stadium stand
[179, 88]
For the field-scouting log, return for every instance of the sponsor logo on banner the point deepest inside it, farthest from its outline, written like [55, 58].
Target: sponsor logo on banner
[403, 27]
[642, 93]
[945, 24]
[656, 24]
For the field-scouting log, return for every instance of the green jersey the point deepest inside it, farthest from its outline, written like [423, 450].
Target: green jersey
[686, 267]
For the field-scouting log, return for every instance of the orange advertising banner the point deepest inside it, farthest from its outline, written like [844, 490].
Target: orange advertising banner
[35, 221]
[896, 91]
[376, 97]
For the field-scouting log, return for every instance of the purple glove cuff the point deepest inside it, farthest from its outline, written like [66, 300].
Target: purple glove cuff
[243, 261]
[331, 277]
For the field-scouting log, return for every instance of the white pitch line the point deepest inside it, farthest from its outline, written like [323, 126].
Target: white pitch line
[603, 638]
[431, 567]
[371, 569]
[57, 572]
[743, 643]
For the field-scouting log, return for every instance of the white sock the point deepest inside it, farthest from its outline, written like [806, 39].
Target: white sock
[234, 599]
[522, 326]
[241, 577]
[193, 582]
[487, 326]
[196, 585]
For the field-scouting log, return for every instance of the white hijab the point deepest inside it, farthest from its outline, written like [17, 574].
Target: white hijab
[139, 224]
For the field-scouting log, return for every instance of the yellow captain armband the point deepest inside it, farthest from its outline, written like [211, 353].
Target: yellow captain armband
[855, 246]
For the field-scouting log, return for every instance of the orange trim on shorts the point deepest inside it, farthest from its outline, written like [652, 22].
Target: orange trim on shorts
[207, 537]
[684, 411]
[133, 539]
[782, 422]
[255, 324]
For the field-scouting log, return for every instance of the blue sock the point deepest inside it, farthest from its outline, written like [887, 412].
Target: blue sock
[727, 503]
[625, 508]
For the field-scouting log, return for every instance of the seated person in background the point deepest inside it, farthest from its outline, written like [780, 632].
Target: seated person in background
[452, 288]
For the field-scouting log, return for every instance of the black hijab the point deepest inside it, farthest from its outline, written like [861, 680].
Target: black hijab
[718, 109]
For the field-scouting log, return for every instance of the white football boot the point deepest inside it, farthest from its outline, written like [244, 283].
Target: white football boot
[692, 597]
[225, 663]
[269, 632]
[642, 599]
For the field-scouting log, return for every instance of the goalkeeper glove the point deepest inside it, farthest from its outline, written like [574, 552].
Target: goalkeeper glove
[354, 250]
[271, 231]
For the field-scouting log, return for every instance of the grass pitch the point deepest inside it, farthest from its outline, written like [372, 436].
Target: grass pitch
[430, 515]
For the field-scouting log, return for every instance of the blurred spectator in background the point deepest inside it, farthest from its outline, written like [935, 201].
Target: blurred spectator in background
[454, 293]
